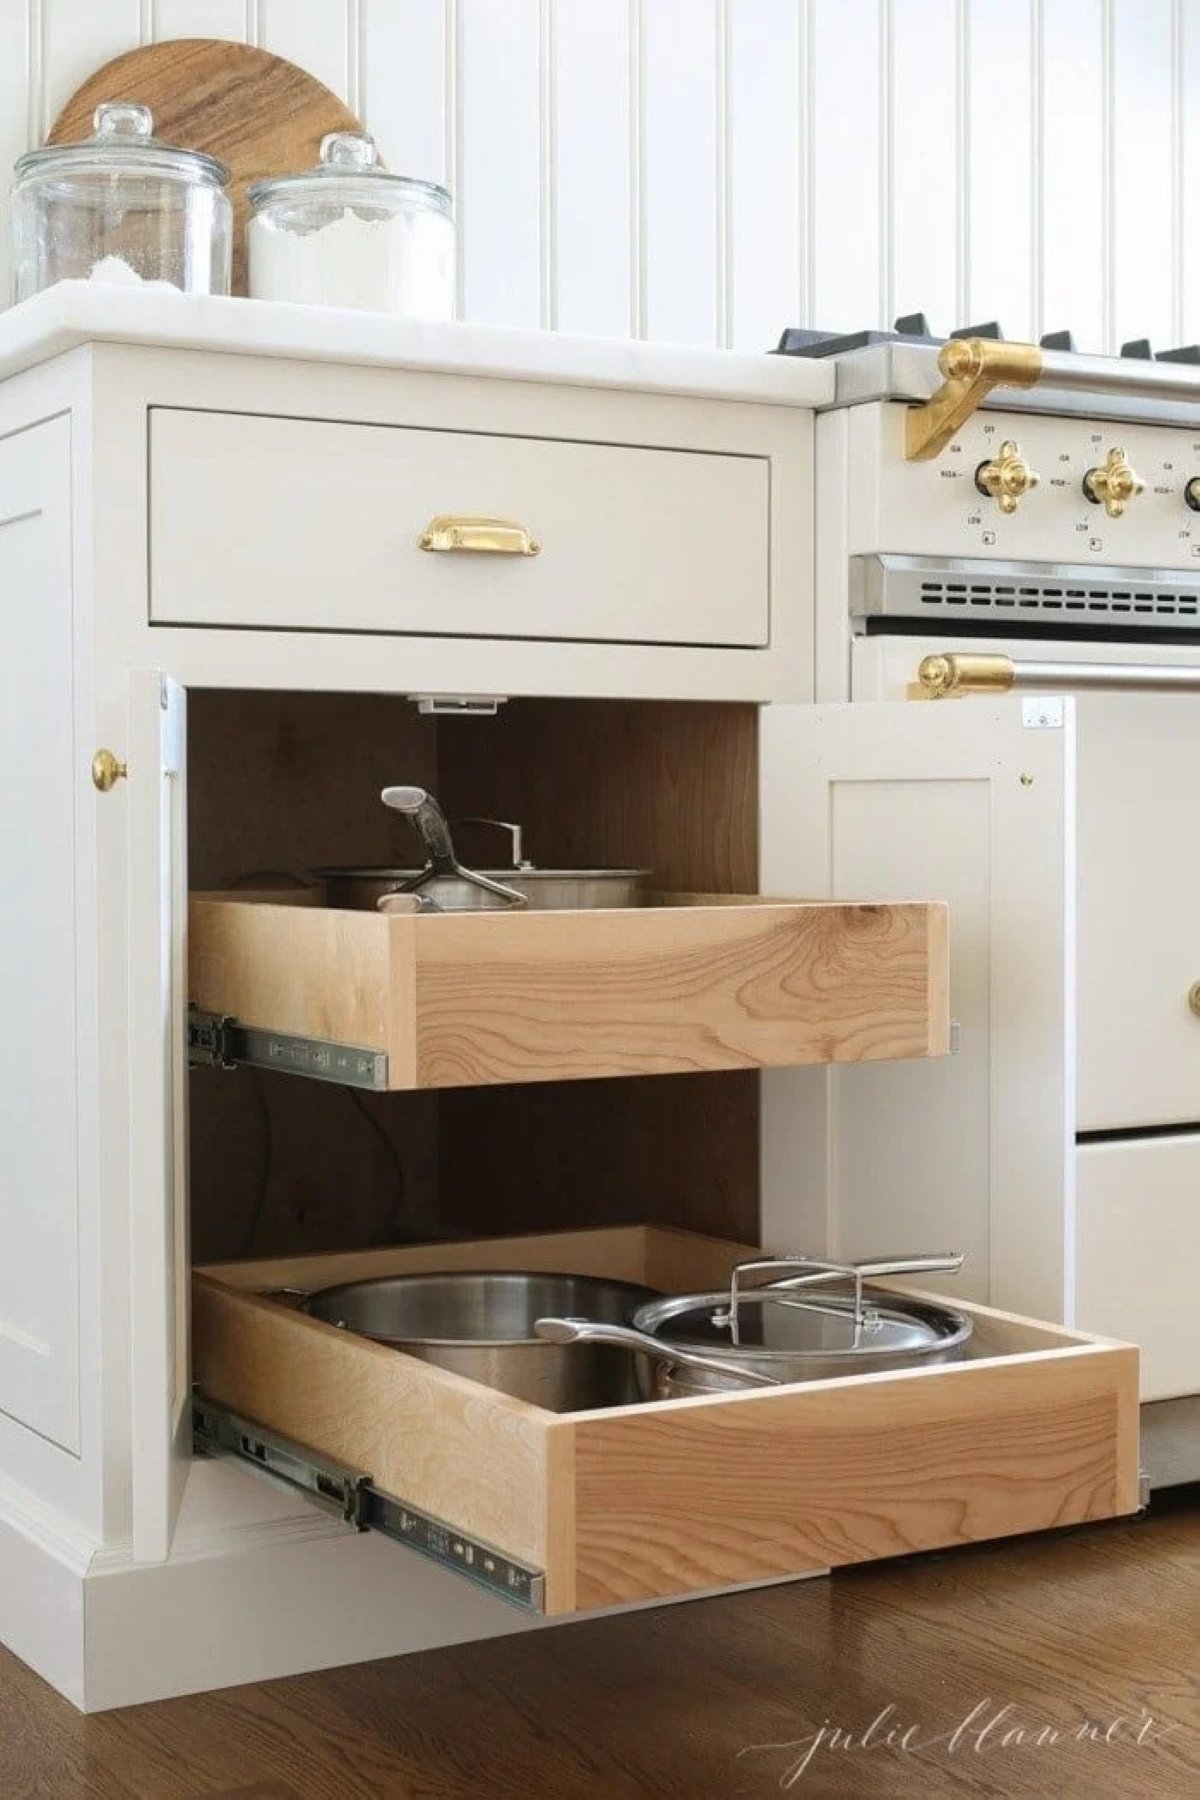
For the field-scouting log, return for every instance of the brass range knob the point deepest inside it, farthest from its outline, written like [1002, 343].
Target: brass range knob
[1191, 493]
[1007, 478]
[1114, 485]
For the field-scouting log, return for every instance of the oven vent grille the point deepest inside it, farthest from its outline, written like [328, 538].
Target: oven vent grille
[1012, 594]
[1059, 599]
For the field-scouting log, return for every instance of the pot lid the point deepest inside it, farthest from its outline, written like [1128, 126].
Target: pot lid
[123, 144]
[349, 169]
[772, 1323]
[507, 873]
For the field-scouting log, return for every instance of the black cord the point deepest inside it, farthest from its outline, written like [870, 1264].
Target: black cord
[268, 1153]
[393, 1155]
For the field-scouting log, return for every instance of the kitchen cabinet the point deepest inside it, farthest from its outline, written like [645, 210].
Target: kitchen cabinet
[250, 726]
[1138, 1200]
[48, 1148]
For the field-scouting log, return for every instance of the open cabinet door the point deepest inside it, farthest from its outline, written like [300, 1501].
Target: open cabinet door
[158, 1273]
[971, 802]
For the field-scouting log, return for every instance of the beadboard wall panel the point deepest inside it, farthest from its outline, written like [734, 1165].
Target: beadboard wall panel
[707, 170]
[1074, 177]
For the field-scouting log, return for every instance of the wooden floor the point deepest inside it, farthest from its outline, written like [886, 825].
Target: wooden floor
[1069, 1635]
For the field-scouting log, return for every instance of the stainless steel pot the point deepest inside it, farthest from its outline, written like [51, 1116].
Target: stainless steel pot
[445, 885]
[767, 1336]
[481, 1324]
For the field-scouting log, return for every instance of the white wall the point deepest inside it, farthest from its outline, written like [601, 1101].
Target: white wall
[709, 170]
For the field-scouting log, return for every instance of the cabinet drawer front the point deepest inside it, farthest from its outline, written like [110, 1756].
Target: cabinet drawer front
[302, 524]
[473, 999]
[646, 1502]
[1138, 1221]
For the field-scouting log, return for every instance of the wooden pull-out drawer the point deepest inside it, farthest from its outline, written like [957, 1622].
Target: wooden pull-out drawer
[1039, 1428]
[469, 999]
[327, 527]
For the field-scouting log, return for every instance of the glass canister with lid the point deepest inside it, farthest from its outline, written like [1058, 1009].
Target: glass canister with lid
[348, 233]
[121, 207]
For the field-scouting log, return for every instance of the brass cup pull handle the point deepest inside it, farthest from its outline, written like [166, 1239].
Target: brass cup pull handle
[492, 537]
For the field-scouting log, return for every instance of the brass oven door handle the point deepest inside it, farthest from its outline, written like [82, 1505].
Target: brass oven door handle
[492, 537]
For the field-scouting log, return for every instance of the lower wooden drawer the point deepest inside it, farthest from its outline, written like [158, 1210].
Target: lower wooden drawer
[1038, 1429]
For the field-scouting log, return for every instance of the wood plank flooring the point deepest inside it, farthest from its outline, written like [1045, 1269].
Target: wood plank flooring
[1005, 1669]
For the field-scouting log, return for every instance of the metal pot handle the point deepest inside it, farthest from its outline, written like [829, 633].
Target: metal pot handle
[421, 807]
[624, 1337]
[516, 839]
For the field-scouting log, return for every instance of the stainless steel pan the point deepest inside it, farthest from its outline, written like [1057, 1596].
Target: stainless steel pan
[782, 1332]
[480, 1323]
[446, 885]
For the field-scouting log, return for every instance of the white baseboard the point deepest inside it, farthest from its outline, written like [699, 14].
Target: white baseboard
[259, 1584]
[44, 1561]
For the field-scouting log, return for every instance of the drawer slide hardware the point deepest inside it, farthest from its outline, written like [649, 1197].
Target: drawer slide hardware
[217, 1041]
[351, 1495]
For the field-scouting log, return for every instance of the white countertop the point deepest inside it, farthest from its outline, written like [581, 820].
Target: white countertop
[83, 312]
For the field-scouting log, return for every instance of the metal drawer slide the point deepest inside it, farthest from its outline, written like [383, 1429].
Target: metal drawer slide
[216, 1041]
[350, 1494]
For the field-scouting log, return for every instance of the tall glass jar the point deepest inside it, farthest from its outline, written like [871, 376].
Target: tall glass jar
[121, 207]
[347, 233]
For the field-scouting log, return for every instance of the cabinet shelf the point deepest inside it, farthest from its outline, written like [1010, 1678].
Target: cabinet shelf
[690, 983]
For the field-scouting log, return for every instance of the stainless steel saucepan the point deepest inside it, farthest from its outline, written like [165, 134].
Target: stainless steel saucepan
[819, 1321]
[481, 1324]
[446, 885]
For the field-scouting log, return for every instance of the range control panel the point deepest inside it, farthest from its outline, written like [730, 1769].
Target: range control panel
[1028, 486]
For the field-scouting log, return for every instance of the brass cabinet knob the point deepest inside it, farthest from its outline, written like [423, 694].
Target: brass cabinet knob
[1006, 478]
[1114, 485]
[107, 770]
[1193, 998]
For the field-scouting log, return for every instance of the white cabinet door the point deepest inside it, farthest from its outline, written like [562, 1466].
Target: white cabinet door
[1139, 918]
[47, 887]
[973, 804]
[158, 1251]
[1139, 1254]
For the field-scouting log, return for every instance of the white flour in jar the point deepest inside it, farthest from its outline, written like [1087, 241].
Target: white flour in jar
[114, 271]
[398, 264]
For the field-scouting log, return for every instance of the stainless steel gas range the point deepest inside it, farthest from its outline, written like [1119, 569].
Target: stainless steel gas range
[1014, 532]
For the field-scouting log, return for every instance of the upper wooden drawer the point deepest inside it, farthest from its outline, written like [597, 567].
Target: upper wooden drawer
[471, 999]
[303, 524]
[1037, 1427]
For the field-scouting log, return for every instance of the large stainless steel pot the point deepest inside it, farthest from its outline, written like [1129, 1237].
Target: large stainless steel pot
[743, 1337]
[445, 885]
[481, 1324]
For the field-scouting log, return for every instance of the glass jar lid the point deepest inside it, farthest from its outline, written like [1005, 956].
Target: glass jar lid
[349, 170]
[123, 144]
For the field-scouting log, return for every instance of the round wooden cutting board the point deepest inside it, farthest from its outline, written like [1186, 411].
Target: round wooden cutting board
[256, 112]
